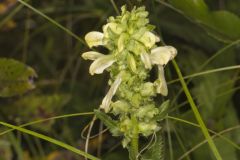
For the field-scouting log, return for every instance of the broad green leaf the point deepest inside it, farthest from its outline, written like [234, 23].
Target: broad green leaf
[109, 122]
[16, 78]
[222, 25]
[156, 151]
[195, 8]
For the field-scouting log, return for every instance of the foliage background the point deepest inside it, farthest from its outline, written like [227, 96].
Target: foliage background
[206, 34]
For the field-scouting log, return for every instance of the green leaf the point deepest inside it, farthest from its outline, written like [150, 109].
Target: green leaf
[109, 122]
[187, 6]
[15, 78]
[222, 25]
[156, 151]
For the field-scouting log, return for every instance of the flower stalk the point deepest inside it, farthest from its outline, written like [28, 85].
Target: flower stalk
[134, 141]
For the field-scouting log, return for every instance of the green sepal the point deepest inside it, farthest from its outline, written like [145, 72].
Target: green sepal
[111, 124]
[163, 110]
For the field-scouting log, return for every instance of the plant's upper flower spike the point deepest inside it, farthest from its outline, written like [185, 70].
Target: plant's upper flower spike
[92, 55]
[94, 38]
[100, 64]
[108, 98]
[162, 55]
[161, 82]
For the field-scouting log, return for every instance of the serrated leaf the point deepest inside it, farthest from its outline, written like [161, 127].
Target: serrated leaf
[109, 122]
[156, 152]
[15, 78]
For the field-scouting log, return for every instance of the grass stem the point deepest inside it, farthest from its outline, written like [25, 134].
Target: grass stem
[196, 113]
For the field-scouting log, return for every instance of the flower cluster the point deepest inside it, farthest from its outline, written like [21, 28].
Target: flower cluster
[133, 52]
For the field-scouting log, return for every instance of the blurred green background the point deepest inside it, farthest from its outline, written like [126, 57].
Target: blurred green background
[205, 32]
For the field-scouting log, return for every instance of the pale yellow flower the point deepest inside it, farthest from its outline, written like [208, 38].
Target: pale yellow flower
[108, 98]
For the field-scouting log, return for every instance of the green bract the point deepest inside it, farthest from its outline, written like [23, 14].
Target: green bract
[132, 54]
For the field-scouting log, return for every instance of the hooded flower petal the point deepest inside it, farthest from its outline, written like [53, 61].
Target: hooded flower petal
[94, 38]
[161, 82]
[92, 55]
[99, 65]
[162, 55]
[108, 98]
[114, 27]
[148, 39]
[146, 60]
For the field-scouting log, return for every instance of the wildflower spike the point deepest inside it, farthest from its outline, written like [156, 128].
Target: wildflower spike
[133, 52]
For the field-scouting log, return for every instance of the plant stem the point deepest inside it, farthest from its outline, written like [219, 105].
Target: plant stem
[197, 114]
[134, 140]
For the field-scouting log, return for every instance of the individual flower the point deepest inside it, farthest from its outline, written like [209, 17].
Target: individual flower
[100, 61]
[94, 38]
[159, 56]
[108, 98]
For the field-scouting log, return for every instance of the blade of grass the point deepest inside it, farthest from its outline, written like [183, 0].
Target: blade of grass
[206, 72]
[53, 21]
[210, 59]
[215, 133]
[115, 7]
[205, 141]
[48, 119]
[217, 96]
[9, 16]
[16, 144]
[180, 142]
[197, 114]
[49, 139]
[169, 140]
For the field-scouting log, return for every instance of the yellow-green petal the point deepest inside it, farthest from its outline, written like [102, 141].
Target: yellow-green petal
[161, 82]
[146, 60]
[116, 28]
[94, 38]
[92, 55]
[108, 98]
[148, 39]
[162, 55]
[100, 64]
